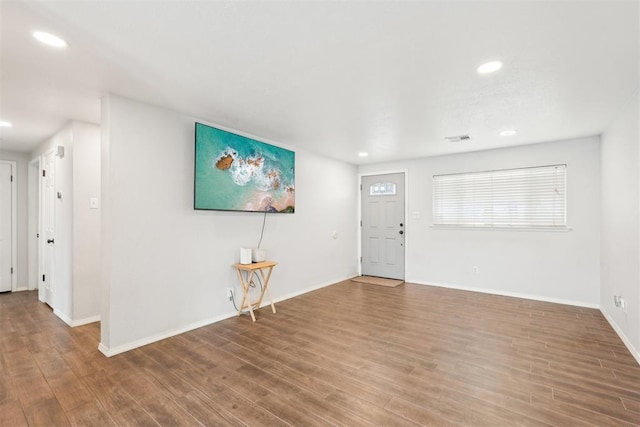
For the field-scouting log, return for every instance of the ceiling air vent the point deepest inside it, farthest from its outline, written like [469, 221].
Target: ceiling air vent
[457, 138]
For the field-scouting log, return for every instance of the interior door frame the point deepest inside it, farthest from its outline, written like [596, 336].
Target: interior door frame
[406, 209]
[45, 293]
[14, 226]
[34, 195]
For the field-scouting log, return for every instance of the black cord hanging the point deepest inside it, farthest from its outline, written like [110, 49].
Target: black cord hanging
[264, 220]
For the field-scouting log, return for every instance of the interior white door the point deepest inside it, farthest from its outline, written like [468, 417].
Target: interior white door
[48, 236]
[6, 228]
[383, 230]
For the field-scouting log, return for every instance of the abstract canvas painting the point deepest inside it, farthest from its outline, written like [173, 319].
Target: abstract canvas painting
[236, 173]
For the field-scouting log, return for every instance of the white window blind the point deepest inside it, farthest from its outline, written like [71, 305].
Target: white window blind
[528, 198]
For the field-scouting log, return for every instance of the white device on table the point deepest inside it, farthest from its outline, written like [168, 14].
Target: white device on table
[245, 255]
[258, 255]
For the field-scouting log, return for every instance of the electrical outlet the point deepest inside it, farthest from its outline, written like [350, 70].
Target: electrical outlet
[619, 301]
[476, 270]
[230, 293]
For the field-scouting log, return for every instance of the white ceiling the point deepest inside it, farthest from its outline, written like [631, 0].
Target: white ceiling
[336, 78]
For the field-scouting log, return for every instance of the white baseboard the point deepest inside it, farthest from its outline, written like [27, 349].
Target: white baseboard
[107, 351]
[74, 323]
[66, 319]
[85, 321]
[509, 294]
[164, 335]
[20, 289]
[634, 352]
[310, 289]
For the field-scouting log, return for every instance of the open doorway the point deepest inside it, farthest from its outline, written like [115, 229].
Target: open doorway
[33, 223]
[8, 226]
[48, 229]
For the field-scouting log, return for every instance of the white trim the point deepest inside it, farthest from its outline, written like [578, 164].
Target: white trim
[407, 227]
[21, 289]
[14, 223]
[75, 323]
[66, 319]
[33, 229]
[51, 302]
[562, 229]
[41, 287]
[310, 289]
[161, 336]
[173, 332]
[86, 321]
[105, 350]
[508, 294]
[627, 342]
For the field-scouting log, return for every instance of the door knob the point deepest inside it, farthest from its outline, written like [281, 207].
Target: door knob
[401, 232]
[50, 240]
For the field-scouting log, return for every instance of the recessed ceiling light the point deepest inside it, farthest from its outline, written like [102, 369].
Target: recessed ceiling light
[363, 154]
[49, 39]
[507, 132]
[5, 124]
[489, 67]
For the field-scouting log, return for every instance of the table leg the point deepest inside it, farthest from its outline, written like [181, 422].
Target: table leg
[245, 294]
[265, 288]
[273, 307]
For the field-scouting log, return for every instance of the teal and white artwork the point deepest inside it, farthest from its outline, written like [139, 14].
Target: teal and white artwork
[236, 173]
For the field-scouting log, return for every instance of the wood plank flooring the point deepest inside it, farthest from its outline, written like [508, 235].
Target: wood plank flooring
[349, 354]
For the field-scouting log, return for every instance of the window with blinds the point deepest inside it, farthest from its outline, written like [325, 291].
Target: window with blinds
[527, 198]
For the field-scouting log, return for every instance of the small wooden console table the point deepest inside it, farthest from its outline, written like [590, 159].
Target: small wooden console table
[265, 268]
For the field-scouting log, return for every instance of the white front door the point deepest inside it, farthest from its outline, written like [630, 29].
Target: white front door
[383, 226]
[46, 289]
[6, 226]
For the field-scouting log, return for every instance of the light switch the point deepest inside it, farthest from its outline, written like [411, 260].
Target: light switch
[93, 203]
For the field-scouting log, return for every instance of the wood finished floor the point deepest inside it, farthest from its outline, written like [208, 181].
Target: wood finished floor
[349, 354]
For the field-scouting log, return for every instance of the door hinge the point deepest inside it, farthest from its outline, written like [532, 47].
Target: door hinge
[44, 172]
[43, 277]
[11, 178]
[360, 187]
[37, 235]
[11, 270]
[360, 260]
[360, 223]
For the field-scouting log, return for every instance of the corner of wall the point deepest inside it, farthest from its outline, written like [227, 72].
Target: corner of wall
[627, 342]
[620, 224]
[105, 225]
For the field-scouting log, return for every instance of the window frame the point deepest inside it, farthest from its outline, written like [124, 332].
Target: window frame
[498, 202]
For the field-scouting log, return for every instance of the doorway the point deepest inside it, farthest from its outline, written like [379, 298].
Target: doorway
[33, 222]
[383, 225]
[8, 228]
[48, 229]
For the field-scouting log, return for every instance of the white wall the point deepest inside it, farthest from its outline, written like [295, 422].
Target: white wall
[21, 160]
[620, 250]
[166, 267]
[86, 222]
[553, 266]
[77, 239]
